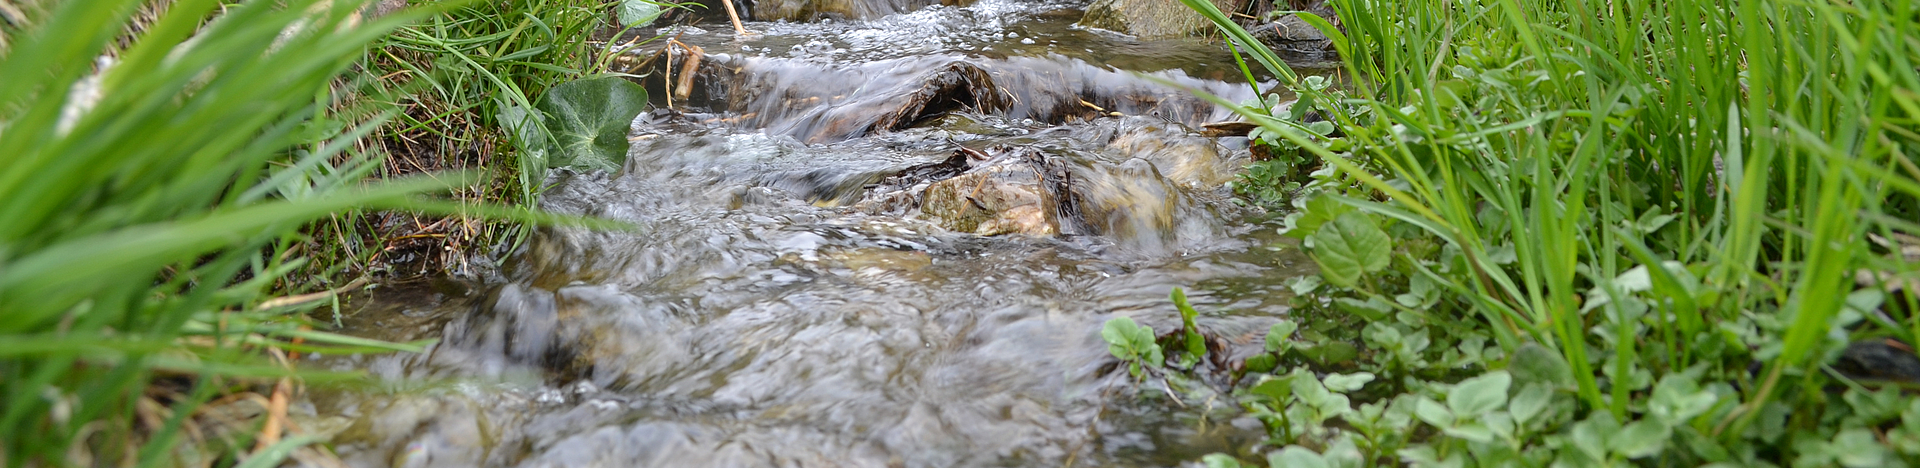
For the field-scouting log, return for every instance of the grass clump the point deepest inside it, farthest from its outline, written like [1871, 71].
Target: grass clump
[166, 167]
[162, 165]
[1587, 233]
[464, 81]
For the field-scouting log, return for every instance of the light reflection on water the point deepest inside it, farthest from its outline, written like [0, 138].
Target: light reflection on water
[756, 318]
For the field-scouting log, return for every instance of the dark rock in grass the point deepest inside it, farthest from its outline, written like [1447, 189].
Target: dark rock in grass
[1882, 360]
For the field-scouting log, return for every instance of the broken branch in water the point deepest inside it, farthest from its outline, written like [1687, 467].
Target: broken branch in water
[731, 15]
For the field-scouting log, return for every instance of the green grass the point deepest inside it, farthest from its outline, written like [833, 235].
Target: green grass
[152, 206]
[461, 81]
[1665, 202]
[481, 62]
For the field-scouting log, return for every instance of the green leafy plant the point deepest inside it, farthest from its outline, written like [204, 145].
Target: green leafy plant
[1612, 214]
[589, 119]
[160, 175]
[637, 13]
[1350, 246]
[466, 81]
[1194, 344]
[479, 64]
[1133, 344]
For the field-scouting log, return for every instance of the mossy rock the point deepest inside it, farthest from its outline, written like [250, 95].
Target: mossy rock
[813, 10]
[1151, 19]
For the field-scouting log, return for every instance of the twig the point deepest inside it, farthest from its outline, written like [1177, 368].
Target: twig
[1169, 388]
[309, 297]
[731, 15]
[688, 67]
[276, 415]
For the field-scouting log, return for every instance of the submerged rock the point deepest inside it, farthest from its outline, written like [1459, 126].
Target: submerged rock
[1151, 19]
[973, 192]
[1009, 195]
[1134, 189]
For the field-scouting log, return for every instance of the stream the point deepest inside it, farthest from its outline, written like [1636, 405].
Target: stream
[888, 242]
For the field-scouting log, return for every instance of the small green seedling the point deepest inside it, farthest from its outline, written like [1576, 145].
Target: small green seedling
[1133, 344]
[1196, 344]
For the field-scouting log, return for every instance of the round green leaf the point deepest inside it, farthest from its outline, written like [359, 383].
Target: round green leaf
[636, 13]
[1478, 395]
[1640, 439]
[1533, 363]
[1344, 383]
[1296, 457]
[589, 120]
[1350, 246]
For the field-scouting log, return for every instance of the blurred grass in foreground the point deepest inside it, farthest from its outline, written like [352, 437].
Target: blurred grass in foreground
[155, 180]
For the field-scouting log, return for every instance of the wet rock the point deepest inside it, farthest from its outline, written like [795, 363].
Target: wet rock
[1151, 19]
[1177, 153]
[949, 88]
[814, 10]
[1132, 200]
[799, 11]
[1884, 360]
[974, 192]
[1008, 197]
[825, 103]
[1033, 191]
[1296, 41]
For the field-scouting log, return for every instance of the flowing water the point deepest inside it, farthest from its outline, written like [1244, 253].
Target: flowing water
[888, 243]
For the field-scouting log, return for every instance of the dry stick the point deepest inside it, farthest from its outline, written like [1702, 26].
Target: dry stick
[276, 415]
[688, 68]
[276, 407]
[737, 29]
[304, 298]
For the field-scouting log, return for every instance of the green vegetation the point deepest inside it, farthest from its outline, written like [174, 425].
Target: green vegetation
[153, 201]
[483, 64]
[465, 81]
[166, 166]
[586, 123]
[1133, 344]
[1584, 233]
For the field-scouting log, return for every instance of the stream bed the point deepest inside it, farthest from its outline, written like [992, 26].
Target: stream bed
[865, 243]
